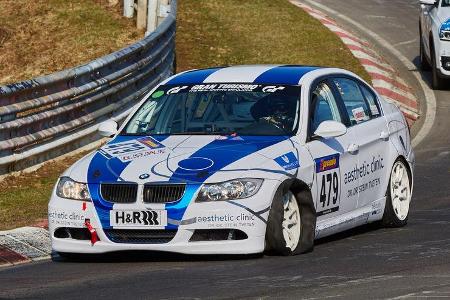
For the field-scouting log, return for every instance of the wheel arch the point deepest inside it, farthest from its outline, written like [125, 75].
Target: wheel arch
[303, 195]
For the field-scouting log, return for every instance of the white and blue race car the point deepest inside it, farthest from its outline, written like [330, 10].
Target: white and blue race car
[434, 28]
[239, 160]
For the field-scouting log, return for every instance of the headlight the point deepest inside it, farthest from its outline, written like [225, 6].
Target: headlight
[67, 188]
[229, 190]
[444, 32]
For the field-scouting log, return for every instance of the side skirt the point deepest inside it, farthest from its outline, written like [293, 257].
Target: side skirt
[364, 215]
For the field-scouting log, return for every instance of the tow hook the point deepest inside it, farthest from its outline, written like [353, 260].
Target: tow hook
[94, 236]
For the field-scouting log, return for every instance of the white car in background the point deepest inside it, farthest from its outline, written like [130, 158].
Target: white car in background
[435, 40]
[237, 160]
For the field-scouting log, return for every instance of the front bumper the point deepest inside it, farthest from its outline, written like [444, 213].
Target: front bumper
[443, 56]
[246, 215]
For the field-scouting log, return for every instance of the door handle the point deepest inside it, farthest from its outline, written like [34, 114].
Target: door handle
[384, 135]
[353, 148]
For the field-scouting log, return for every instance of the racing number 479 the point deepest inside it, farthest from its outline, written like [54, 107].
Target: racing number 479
[330, 185]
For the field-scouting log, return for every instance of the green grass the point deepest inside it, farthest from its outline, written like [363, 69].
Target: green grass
[24, 198]
[43, 36]
[217, 32]
[209, 33]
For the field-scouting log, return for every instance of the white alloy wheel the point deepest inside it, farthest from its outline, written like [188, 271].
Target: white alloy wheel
[400, 190]
[291, 221]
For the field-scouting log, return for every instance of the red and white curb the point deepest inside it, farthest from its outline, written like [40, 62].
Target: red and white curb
[23, 245]
[385, 79]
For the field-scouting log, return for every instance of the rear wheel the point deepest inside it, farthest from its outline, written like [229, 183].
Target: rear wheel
[291, 224]
[398, 196]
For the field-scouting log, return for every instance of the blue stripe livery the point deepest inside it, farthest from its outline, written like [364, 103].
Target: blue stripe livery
[284, 75]
[103, 169]
[193, 77]
[221, 153]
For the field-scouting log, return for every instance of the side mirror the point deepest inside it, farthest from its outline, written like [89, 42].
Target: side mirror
[329, 129]
[108, 128]
[428, 2]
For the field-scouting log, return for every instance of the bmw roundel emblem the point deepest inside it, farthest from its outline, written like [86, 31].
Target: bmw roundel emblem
[144, 176]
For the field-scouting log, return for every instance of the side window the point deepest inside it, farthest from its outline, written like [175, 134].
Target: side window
[372, 101]
[323, 106]
[357, 108]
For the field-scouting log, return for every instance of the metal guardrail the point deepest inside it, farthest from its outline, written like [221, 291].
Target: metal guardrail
[47, 116]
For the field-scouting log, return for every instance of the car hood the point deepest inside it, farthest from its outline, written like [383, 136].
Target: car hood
[444, 14]
[195, 159]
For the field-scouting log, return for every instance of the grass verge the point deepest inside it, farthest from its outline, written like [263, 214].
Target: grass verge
[43, 36]
[215, 33]
[209, 33]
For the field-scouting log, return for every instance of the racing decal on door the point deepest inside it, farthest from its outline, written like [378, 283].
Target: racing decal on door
[288, 161]
[327, 169]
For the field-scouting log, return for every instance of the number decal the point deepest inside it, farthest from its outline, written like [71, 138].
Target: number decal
[335, 187]
[329, 181]
[327, 169]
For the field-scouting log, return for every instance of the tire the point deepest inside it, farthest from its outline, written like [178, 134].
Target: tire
[398, 196]
[437, 83]
[424, 63]
[291, 203]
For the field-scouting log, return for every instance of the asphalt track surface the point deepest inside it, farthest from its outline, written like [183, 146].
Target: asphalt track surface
[369, 262]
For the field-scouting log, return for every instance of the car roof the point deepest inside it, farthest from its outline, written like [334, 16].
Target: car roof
[256, 74]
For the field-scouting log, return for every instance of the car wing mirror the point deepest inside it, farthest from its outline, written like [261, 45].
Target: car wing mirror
[330, 129]
[108, 128]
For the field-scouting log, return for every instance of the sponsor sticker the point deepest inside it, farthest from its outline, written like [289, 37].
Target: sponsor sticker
[67, 218]
[374, 110]
[288, 161]
[272, 89]
[224, 87]
[157, 94]
[126, 151]
[226, 220]
[359, 114]
[326, 163]
[176, 90]
[143, 218]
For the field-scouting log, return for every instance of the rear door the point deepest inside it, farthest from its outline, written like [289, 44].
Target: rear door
[372, 140]
[331, 156]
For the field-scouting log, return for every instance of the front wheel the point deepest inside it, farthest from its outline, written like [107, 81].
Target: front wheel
[437, 82]
[291, 224]
[398, 196]
[424, 64]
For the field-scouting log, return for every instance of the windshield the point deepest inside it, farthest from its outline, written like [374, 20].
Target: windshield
[222, 108]
[445, 2]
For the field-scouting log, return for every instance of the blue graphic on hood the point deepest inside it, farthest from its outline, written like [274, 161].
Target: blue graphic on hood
[193, 170]
[218, 154]
[211, 159]
[446, 25]
[104, 169]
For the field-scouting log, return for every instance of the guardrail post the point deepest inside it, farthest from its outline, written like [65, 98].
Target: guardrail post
[128, 8]
[163, 10]
[152, 16]
[142, 14]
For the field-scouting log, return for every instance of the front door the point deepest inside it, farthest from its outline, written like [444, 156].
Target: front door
[331, 156]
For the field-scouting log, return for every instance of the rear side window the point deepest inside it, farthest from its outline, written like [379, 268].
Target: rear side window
[356, 106]
[372, 101]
